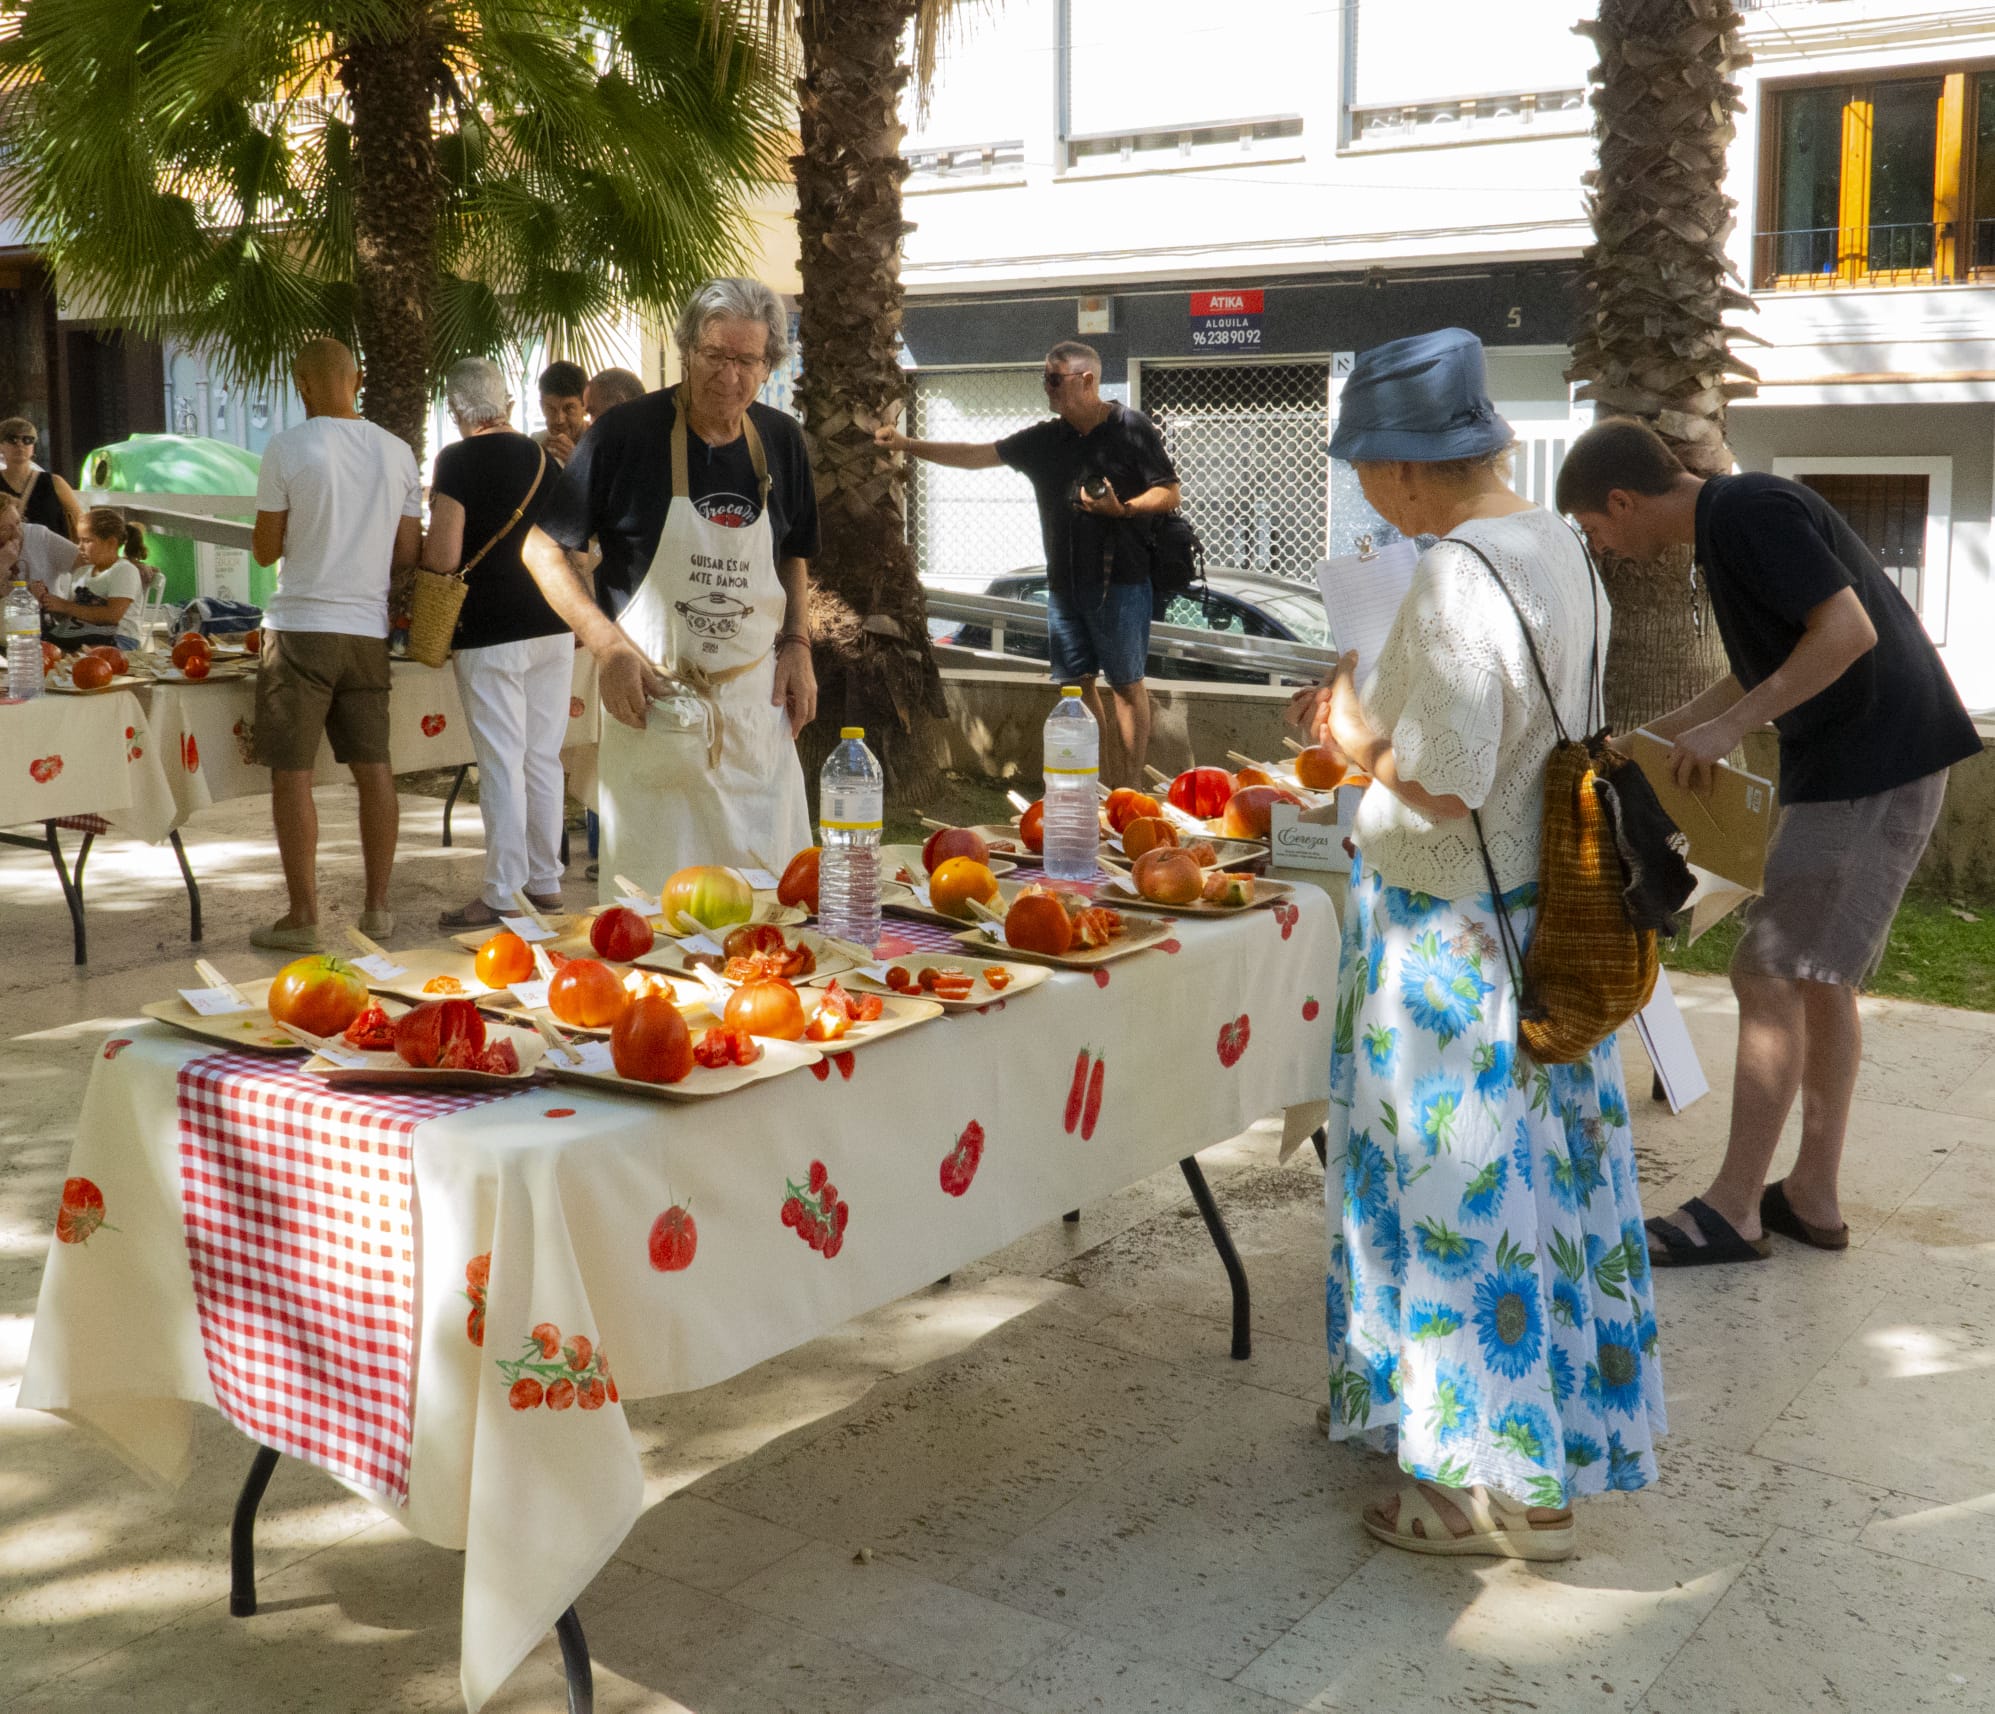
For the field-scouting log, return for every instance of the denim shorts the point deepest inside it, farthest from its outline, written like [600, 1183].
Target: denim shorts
[1111, 641]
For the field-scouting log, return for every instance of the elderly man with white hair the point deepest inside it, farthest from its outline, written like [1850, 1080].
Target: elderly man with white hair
[512, 654]
[702, 503]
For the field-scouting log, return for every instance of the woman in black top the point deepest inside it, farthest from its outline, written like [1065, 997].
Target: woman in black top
[44, 498]
[513, 657]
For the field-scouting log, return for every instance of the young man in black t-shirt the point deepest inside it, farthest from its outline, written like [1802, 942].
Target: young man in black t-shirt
[1099, 473]
[1822, 644]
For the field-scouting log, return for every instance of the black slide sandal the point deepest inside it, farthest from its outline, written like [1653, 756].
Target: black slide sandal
[1722, 1242]
[1777, 1214]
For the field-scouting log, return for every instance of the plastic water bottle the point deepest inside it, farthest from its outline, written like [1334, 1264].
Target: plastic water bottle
[851, 801]
[1073, 799]
[24, 642]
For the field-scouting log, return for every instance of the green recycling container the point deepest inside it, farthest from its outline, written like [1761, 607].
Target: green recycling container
[183, 464]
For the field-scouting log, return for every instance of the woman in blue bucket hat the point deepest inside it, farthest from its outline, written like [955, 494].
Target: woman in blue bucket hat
[1488, 1305]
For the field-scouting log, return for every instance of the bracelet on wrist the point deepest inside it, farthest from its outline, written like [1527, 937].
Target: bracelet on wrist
[786, 637]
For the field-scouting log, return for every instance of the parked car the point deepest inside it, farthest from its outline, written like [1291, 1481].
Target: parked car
[1230, 603]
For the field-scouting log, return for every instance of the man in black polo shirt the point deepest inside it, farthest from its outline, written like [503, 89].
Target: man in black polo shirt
[1100, 475]
[1822, 644]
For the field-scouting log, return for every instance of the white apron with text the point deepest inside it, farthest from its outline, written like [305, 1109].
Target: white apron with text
[713, 777]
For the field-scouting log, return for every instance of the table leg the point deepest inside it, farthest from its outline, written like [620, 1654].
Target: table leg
[575, 1663]
[72, 890]
[1072, 1217]
[193, 888]
[242, 1534]
[1222, 1241]
[450, 802]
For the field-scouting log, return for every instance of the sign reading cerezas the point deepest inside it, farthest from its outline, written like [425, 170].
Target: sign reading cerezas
[1226, 321]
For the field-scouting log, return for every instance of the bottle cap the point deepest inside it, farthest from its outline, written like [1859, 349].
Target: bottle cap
[852, 732]
[1070, 690]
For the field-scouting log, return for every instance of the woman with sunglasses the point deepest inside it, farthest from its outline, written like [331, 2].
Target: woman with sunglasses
[43, 496]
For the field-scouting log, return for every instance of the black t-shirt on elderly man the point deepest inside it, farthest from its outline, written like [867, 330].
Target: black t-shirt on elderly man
[1772, 551]
[619, 481]
[488, 475]
[1056, 458]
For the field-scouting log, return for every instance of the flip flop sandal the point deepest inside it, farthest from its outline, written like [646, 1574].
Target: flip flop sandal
[1498, 1525]
[1777, 1214]
[1722, 1242]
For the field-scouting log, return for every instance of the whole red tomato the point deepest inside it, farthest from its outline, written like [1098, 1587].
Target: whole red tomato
[1202, 792]
[1125, 806]
[799, 883]
[586, 993]
[947, 842]
[650, 1043]
[1032, 827]
[439, 1030]
[318, 994]
[621, 934]
[674, 1238]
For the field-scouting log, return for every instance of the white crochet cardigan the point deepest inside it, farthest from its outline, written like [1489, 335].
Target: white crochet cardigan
[1454, 689]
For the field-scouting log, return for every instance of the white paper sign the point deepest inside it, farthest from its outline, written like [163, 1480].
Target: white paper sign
[1177, 818]
[214, 1002]
[760, 879]
[345, 1056]
[380, 966]
[702, 943]
[874, 972]
[527, 929]
[1122, 883]
[531, 995]
[1671, 1052]
[636, 902]
[595, 1056]
[921, 895]
[1361, 597]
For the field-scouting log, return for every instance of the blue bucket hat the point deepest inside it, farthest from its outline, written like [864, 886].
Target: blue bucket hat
[1421, 399]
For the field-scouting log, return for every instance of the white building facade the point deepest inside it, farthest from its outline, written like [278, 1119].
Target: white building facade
[1228, 201]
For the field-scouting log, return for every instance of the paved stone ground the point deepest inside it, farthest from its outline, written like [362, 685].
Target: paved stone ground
[1073, 1500]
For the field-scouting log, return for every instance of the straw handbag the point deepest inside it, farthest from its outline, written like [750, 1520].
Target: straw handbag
[439, 595]
[1610, 874]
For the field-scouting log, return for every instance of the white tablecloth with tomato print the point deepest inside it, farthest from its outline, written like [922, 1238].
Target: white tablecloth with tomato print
[85, 755]
[208, 731]
[567, 1248]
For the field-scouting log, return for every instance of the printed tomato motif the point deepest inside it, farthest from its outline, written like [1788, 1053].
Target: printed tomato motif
[44, 768]
[674, 1238]
[559, 1113]
[1233, 1041]
[1309, 1010]
[1084, 1094]
[1172, 945]
[574, 708]
[244, 733]
[1101, 978]
[960, 1164]
[477, 1274]
[554, 1371]
[433, 724]
[1287, 915]
[116, 1046]
[812, 1211]
[81, 1212]
[190, 753]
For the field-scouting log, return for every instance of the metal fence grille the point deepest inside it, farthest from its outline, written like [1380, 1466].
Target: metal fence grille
[1247, 440]
[968, 526]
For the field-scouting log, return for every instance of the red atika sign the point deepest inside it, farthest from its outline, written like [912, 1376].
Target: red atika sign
[1226, 321]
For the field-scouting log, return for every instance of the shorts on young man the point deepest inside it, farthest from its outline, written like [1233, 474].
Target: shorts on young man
[1835, 876]
[1110, 641]
[313, 682]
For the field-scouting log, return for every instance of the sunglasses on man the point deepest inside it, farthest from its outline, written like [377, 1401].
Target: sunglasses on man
[1053, 377]
[18, 439]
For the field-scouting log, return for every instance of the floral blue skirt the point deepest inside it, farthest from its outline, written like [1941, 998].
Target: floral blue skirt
[1488, 1306]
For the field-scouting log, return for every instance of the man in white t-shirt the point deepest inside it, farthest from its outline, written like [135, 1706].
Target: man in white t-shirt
[340, 501]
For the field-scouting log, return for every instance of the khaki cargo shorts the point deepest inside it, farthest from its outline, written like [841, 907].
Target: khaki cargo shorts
[310, 683]
[1835, 876]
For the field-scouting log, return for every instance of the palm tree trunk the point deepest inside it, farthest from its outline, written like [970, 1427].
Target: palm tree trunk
[868, 614]
[1652, 341]
[392, 83]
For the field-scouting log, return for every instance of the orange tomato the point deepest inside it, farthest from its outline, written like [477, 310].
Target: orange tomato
[959, 880]
[767, 1006]
[1038, 922]
[504, 960]
[1032, 827]
[586, 993]
[1125, 806]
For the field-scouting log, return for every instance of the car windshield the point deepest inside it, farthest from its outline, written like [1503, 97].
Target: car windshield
[1301, 613]
[1212, 614]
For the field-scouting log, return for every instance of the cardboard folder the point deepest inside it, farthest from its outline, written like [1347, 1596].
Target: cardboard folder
[1729, 827]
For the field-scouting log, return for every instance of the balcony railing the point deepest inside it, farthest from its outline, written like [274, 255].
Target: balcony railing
[1817, 258]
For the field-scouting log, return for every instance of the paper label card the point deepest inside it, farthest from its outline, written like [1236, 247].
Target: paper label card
[345, 1056]
[527, 929]
[638, 903]
[595, 1055]
[531, 995]
[760, 879]
[702, 943]
[215, 1002]
[380, 966]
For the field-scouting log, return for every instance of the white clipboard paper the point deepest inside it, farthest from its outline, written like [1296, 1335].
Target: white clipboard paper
[1662, 1029]
[1361, 597]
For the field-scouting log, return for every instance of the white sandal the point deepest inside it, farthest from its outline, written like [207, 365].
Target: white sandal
[1498, 1525]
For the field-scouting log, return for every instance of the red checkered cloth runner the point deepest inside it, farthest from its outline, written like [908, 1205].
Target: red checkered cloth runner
[299, 1236]
[91, 824]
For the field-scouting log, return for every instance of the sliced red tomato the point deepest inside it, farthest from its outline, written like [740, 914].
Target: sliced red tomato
[373, 1031]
